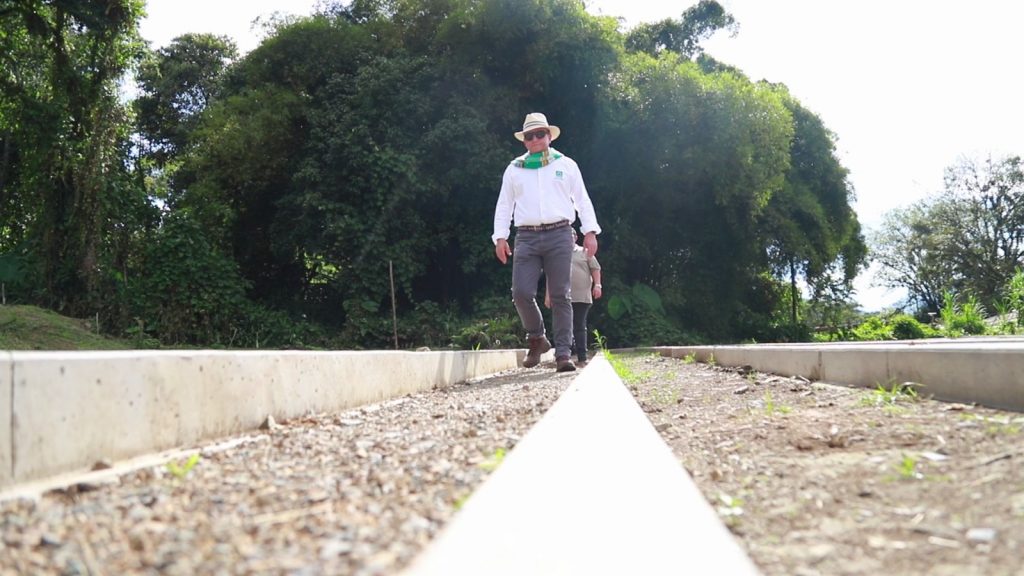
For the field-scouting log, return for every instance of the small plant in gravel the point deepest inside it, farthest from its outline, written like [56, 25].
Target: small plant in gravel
[628, 376]
[995, 426]
[492, 463]
[689, 358]
[602, 343]
[665, 395]
[907, 468]
[771, 408]
[731, 509]
[180, 471]
[891, 396]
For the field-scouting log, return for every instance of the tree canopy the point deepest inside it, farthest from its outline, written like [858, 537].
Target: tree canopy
[359, 151]
[967, 241]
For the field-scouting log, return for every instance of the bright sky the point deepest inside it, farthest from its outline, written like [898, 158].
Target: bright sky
[908, 86]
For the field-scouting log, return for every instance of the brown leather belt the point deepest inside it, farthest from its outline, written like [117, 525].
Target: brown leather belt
[541, 227]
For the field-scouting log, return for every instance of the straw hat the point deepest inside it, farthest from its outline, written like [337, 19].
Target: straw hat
[534, 121]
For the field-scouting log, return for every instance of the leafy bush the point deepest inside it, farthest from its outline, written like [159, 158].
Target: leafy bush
[643, 327]
[895, 327]
[260, 327]
[499, 332]
[873, 328]
[959, 319]
[906, 327]
[190, 293]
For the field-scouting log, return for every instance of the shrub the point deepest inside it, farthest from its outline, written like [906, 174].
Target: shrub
[957, 319]
[874, 328]
[905, 327]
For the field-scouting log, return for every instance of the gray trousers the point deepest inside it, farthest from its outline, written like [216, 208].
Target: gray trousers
[548, 252]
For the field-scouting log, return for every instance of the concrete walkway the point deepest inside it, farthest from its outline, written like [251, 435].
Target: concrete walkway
[591, 489]
[984, 371]
[62, 412]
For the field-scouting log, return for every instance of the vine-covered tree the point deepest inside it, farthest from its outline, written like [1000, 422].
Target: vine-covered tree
[64, 132]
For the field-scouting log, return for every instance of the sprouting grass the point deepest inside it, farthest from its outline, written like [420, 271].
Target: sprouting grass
[627, 374]
[889, 398]
[180, 471]
[689, 358]
[492, 463]
[998, 425]
[665, 395]
[731, 509]
[771, 407]
[907, 468]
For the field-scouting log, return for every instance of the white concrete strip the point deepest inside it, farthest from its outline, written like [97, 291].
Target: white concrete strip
[590, 489]
[985, 371]
[6, 396]
[64, 411]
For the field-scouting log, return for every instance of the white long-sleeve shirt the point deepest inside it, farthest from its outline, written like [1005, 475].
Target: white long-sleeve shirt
[543, 196]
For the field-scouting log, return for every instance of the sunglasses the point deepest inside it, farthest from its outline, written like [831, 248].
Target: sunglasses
[531, 135]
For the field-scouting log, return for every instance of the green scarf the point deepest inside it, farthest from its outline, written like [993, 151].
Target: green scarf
[537, 160]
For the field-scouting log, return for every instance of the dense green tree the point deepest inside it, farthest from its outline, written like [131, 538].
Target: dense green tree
[250, 148]
[698, 23]
[359, 151]
[176, 83]
[690, 160]
[810, 231]
[63, 128]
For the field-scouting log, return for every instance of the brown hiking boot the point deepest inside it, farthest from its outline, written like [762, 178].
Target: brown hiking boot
[564, 364]
[538, 346]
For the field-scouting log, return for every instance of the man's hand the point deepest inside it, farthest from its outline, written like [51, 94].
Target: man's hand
[502, 251]
[590, 244]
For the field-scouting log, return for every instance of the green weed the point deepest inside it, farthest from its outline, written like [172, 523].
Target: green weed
[890, 397]
[907, 468]
[180, 471]
[731, 509]
[492, 463]
[771, 408]
[998, 425]
[665, 396]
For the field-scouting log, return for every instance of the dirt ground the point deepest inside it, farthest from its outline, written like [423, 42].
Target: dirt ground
[815, 478]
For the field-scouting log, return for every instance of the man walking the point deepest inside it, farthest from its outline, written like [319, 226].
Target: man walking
[543, 191]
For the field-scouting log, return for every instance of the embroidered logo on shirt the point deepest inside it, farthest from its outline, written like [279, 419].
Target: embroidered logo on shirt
[559, 174]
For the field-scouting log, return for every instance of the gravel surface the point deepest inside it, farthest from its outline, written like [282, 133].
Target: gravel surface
[360, 492]
[817, 479]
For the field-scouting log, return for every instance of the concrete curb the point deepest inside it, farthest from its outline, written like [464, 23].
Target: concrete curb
[984, 371]
[590, 489]
[64, 411]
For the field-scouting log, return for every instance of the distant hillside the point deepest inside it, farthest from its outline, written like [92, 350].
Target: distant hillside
[32, 328]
